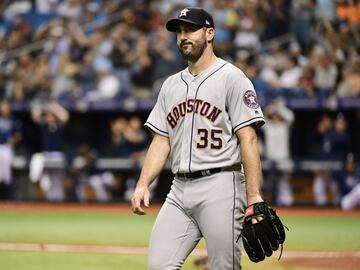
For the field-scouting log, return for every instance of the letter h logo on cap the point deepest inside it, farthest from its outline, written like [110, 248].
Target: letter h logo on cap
[183, 12]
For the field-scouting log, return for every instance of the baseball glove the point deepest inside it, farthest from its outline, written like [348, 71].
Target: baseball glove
[265, 236]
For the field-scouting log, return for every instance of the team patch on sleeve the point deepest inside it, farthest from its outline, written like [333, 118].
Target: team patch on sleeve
[250, 99]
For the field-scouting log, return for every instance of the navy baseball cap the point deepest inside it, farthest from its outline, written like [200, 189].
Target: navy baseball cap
[193, 15]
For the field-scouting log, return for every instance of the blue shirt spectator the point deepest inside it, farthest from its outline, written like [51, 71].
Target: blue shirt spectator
[52, 119]
[337, 141]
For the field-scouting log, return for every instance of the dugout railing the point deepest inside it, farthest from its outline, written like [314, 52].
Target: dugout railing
[302, 174]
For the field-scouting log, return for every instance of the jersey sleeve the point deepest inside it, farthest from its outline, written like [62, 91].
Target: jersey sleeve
[156, 121]
[242, 104]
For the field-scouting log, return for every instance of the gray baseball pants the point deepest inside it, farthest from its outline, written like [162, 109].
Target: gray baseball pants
[211, 207]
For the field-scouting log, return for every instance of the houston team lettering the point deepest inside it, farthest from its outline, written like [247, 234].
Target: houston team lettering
[197, 106]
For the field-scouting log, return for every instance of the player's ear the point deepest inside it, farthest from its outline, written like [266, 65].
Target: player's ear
[210, 34]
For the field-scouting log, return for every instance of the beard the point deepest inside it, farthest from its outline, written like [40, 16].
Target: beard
[192, 54]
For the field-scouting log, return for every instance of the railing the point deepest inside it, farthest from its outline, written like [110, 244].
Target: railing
[125, 164]
[131, 104]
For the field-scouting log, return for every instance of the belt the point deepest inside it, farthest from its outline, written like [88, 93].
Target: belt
[208, 172]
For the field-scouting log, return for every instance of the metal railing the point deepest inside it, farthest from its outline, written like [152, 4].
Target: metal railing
[124, 164]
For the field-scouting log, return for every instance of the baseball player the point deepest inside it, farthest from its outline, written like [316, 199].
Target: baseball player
[10, 135]
[204, 120]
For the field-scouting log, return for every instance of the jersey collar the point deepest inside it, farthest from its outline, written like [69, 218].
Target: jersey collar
[191, 78]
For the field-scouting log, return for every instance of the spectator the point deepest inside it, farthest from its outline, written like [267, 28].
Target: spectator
[326, 9]
[135, 144]
[43, 82]
[24, 80]
[120, 54]
[336, 144]
[294, 50]
[10, 135]
[46, 6]
[302, 12]
[322, 175]
[141, 67]
[115, 145]
[70, 9]
[347, 176]
[349, 85]
[86, 76]
[289, 78]
[19, 34]
[64, 80]
[17, 8]
[247, 33]
[135, 138]
[350, 178]
[142, 15]
[163, 54]
[349, 11]
[262, 88]
[306, 85]
[272, 64]
[325, 73]
[90, 183]
[101, 43]
[226, 22]
[127, 140]
[277, 151]
[47, 167]
[245, 61]
[3, 92]
[93, 16]
[108, 85]
[276, 15]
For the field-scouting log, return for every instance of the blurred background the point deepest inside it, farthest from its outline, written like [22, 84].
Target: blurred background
[78, 79]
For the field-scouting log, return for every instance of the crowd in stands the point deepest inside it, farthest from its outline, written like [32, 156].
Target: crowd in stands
[106, 49]
[110, 50]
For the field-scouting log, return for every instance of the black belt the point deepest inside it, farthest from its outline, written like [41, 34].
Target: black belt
[198, 174]
[208, 172]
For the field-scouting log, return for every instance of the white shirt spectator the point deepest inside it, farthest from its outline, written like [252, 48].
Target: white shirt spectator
[277, 134]
[109, 86]
[290, 78]
[325, 75]
[270, 76]
[291, 74]
[16, 8]
[70, 9]
[46, 6]
[277, 149]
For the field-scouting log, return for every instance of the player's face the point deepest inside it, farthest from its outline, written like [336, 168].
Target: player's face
[50, 118]
[191, 41]
[340, 125]
[118, 125]
[5, 108]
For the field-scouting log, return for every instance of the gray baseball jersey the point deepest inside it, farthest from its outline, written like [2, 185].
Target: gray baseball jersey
[200, 115]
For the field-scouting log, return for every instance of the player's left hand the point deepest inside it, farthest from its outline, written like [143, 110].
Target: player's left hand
[252, 200]
[263, 231]
[140, 197]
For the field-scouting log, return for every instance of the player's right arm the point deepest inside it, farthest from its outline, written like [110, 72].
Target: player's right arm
[155, 161]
